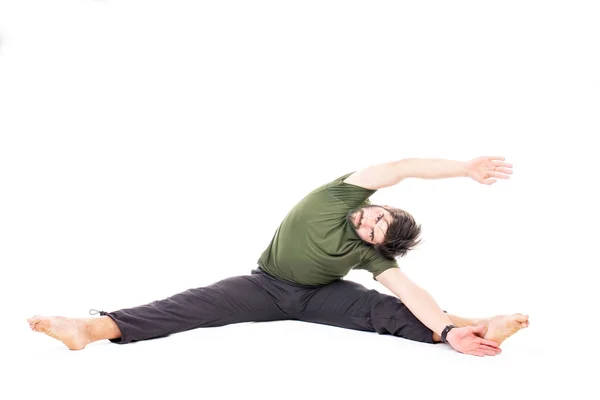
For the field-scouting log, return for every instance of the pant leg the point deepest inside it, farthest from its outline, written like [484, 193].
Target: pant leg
[233, 300]
[350, 305]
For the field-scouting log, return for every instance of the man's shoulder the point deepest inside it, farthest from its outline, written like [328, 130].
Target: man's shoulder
[333, 182]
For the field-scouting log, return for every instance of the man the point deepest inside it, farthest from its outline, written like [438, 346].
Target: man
[331, 231]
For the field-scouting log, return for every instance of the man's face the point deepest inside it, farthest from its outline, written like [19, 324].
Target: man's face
[370, 223]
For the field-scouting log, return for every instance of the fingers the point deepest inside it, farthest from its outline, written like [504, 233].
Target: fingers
[488, 352]
[485, 351]
[488, 342]
[487, 178]
[501, 170]
[501, 164]
[499, 175]
[495, 350]
[504, 170]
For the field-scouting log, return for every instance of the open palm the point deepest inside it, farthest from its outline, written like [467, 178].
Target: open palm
[487, 169]
[469, 340]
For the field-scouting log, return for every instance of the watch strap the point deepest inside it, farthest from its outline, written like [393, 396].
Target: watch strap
[447, 329]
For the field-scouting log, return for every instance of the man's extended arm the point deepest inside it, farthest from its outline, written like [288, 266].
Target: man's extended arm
[465, 340]
[418, 301]
[480, 169]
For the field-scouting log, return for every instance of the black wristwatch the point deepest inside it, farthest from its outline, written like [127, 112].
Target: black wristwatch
[445, 332]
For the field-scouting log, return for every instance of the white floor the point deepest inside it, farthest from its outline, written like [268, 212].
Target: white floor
[291, 359]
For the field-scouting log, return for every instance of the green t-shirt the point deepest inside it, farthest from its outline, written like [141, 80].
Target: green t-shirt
[315, 244]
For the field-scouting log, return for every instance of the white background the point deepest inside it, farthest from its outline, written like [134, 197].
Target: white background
[151, 146]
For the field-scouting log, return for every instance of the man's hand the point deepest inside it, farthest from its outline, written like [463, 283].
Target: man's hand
[468, 340]
[484, 169]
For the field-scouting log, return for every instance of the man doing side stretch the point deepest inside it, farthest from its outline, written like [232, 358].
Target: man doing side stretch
[331, 231]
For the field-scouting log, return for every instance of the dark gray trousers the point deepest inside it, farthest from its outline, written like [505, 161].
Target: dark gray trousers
[260, 297]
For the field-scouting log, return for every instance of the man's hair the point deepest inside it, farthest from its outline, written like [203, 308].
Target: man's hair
[402, 235]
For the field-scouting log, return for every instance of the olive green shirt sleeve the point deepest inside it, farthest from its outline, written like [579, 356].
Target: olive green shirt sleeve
[375, 263]
[350, 195]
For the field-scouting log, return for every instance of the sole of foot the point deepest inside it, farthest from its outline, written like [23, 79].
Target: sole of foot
[70, 331]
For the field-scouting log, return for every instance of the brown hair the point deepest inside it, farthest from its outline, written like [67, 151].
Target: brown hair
[402, 235]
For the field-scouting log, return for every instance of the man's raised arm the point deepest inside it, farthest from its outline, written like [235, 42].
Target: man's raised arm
[484, 170]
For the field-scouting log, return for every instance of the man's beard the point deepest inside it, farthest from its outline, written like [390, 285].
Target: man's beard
[349, 216]
[350, 219]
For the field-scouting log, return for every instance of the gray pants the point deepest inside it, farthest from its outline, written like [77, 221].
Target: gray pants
[260, 297]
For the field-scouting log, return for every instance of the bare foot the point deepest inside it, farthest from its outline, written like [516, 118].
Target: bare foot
[70, 331]
[501, 327]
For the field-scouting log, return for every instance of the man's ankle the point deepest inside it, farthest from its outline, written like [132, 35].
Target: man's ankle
[101, 328]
